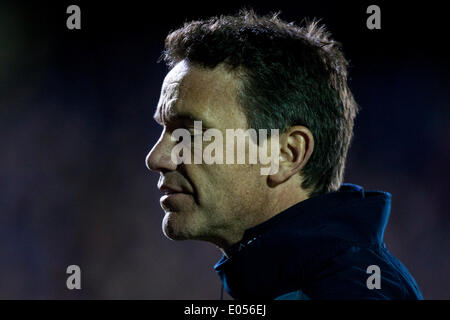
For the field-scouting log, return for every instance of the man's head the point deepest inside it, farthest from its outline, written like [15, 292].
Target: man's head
[247, 71]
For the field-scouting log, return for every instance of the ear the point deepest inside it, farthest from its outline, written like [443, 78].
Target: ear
[296, 146]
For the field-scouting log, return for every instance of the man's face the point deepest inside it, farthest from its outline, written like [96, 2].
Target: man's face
[206, 202]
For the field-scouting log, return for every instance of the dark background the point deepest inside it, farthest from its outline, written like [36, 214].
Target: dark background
[76, 124]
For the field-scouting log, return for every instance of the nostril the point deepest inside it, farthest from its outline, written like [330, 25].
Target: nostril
[164, 171]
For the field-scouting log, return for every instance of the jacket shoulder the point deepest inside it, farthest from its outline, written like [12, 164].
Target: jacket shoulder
[359, 271]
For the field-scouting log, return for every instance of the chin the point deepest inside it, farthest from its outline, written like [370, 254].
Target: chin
[175, 228]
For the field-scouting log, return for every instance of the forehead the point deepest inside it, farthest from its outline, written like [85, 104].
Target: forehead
[203, 94]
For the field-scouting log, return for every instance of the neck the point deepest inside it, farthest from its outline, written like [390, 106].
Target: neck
[275, 204]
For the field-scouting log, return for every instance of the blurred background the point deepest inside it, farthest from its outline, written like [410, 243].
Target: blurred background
[76, 123]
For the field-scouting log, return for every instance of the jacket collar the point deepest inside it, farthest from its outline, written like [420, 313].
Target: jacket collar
[270, 256]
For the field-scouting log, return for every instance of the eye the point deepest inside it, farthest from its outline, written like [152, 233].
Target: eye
[192, 132]
[182, 135]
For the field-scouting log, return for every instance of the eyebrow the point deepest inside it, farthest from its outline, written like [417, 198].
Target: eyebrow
[182, 116]
[157, 117]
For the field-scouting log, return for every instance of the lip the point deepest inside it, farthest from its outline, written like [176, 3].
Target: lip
[173, 196]
[169, 195]
[172, 190]
[171, 200]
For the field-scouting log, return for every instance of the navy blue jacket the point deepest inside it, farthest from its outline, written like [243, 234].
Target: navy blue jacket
[319, 248]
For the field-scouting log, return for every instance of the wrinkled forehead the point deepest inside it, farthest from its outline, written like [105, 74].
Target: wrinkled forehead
[203, 93]
[170, 91]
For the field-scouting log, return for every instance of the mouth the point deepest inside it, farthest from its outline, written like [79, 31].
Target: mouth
[175, 202]
[168, 190]
[173, 196]
[167, 197]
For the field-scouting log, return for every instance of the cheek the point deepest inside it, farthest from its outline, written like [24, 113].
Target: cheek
[232, 183]
[222, 186]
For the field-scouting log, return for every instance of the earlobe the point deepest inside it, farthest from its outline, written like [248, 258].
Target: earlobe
[275, 179]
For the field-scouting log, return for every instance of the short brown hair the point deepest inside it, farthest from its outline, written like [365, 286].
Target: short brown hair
[291, 75]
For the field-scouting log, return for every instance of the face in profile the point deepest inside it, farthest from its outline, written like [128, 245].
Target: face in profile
[212, 202]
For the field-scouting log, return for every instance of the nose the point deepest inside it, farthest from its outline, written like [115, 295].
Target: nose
[158, 159]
